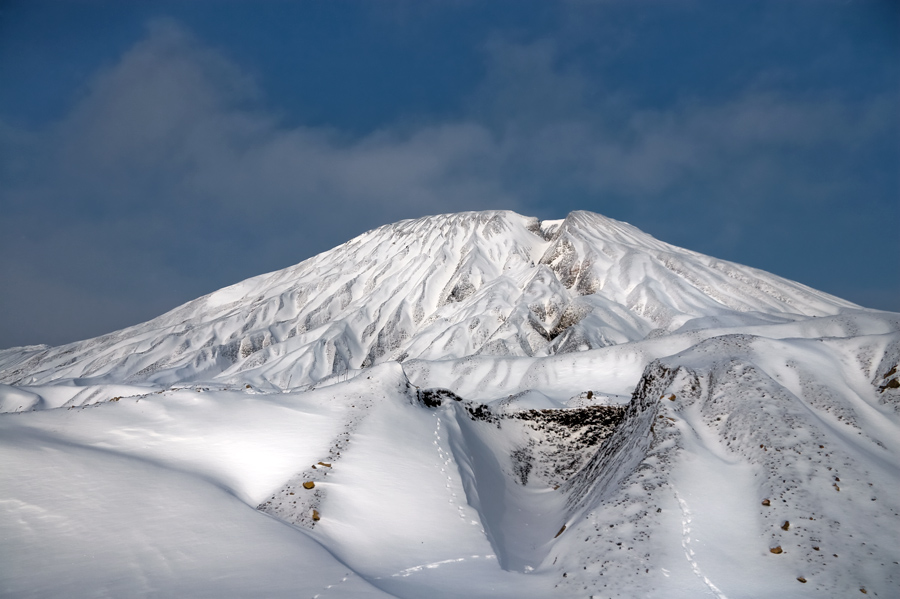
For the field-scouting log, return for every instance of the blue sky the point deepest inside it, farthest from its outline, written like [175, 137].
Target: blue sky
[151, 152]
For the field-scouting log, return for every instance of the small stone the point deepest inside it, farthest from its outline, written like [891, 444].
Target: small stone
[315, 515]
[560, 531]
[786, 525]
[801, 579]
[766, 502]
[864, 591]
[325, 464]
[309, 484]
[776, 550]
[815, 548]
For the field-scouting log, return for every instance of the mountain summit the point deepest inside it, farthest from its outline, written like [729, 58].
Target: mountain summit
[477, 405]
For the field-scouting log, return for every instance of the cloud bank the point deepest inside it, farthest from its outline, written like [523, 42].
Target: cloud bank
[170, 177]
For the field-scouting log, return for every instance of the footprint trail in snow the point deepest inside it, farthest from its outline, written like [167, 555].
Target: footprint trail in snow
[686, 519]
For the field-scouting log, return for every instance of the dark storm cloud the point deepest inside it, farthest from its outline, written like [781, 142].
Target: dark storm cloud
[169, 178]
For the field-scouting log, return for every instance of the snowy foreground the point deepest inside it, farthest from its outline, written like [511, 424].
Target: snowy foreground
[470, 405]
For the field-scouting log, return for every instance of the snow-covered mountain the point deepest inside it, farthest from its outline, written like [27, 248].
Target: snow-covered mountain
[476, 404]
[483, 283]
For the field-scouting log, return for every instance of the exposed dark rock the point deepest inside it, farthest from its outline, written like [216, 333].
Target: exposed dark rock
[481, 412]
[522, 462]
[434, 398]
[586, 426]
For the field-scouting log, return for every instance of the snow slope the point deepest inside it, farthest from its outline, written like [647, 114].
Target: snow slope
[467, 405]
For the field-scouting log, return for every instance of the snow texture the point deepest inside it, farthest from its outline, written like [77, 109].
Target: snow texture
[467, 405]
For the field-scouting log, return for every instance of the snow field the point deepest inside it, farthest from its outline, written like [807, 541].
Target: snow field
[89, 522]
[270, 439]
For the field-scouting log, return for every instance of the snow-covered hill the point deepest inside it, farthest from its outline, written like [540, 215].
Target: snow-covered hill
[466, 405]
